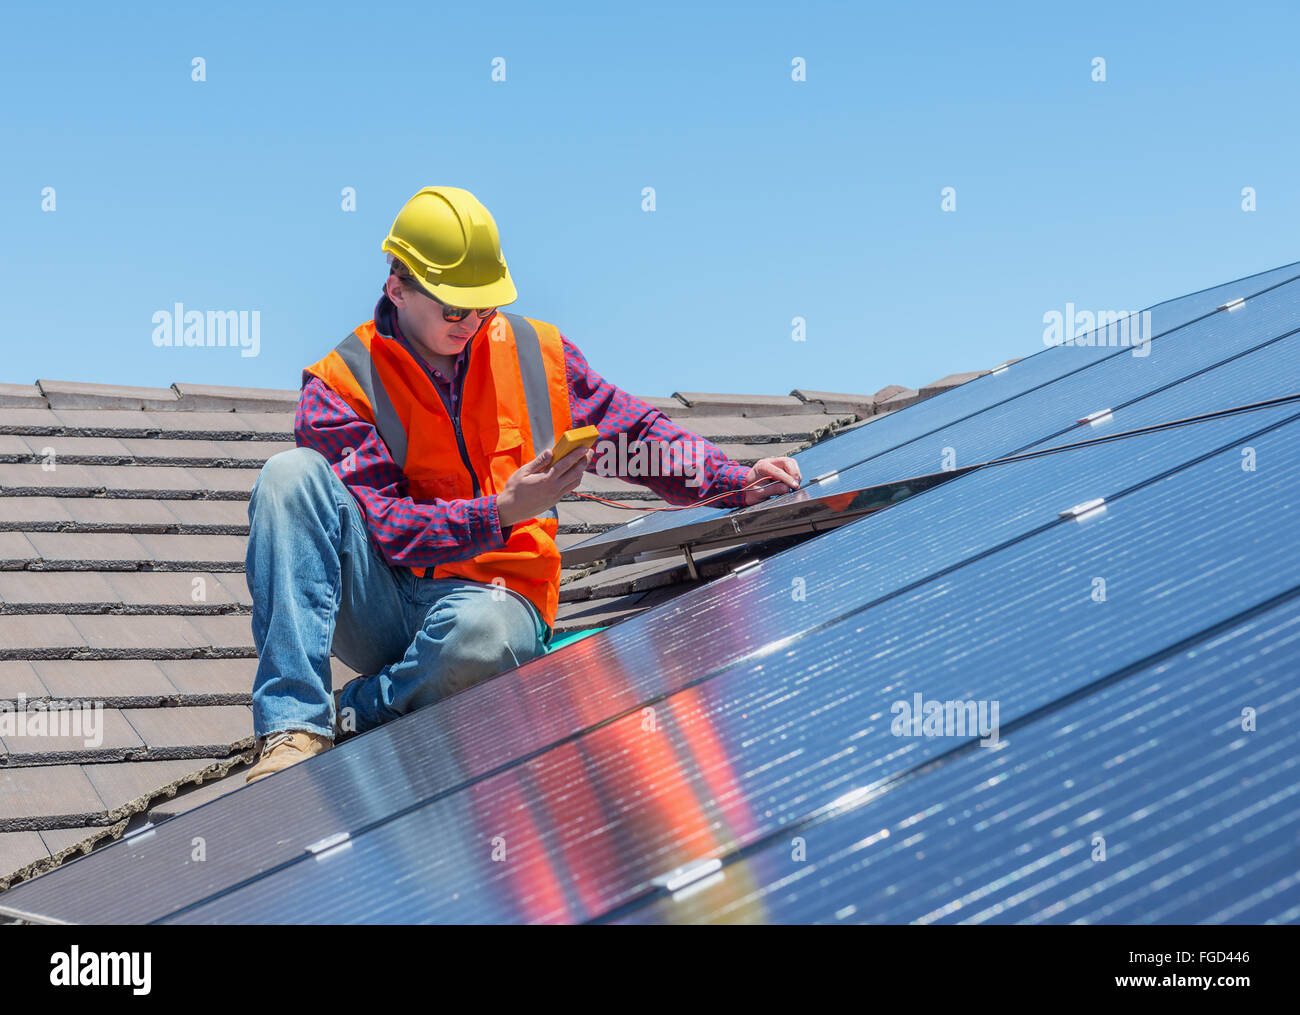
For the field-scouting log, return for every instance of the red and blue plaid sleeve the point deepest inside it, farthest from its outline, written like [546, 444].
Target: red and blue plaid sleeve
[596, 402]
[408, 533]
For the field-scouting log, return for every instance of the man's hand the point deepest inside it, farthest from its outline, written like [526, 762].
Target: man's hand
[538, 485]
[781, 475]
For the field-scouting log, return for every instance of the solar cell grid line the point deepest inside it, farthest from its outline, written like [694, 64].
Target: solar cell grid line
[496, 725]
[806, 742]
[1198, 816]
[966, 402]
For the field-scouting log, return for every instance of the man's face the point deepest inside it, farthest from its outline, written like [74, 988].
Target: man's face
[420, 318]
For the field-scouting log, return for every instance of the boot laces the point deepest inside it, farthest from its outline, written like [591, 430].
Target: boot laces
[274, 741]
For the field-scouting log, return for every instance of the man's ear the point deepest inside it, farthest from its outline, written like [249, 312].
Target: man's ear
[393, 289]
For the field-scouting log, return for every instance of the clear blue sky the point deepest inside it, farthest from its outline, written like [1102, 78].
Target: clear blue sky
[775, 199]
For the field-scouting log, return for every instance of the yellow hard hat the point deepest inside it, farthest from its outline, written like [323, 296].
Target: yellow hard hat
[450, 243]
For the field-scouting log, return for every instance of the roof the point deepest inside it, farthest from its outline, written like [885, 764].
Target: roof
[123, 524]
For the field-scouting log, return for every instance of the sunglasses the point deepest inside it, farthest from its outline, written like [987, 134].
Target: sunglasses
[450, 314]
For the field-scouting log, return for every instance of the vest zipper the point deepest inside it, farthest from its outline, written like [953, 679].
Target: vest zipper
[455, 422]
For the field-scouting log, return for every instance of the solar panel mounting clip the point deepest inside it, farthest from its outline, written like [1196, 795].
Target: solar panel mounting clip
[330, 844]
[1085, 510]
[1096, 418]
[678, 878]
[1232, 304]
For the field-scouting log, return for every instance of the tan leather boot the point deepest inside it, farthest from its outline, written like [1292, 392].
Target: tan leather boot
[287, 748]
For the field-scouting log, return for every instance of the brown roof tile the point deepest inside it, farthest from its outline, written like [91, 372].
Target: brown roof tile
[176, 589]
[211, 513]
[121, 783]
[832, 402]
[15, 511]
[210, 676]
[194, 549]
[93, 679]
[949, 382]
[21, 395]
[80, 395]
[52, 588]
[41, 792]
[138, 634]
[87, 550]
[18, 849]
[38, 633]
[15, 550]
[192, 796]
[213, 397]
[119, 513]
[58, 449]
[113, 733]
[209, 726]
[706, 403]
[899, 400]
[228, 633]
[13, 448]
[57, 840]
[18, 676]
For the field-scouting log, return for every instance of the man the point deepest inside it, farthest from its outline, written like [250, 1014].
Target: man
[412, 531]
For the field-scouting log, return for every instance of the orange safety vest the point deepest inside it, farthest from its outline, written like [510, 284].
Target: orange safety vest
[514, 401]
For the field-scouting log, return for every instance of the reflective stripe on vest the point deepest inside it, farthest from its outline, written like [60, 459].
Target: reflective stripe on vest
[537, 393]
[387, 422]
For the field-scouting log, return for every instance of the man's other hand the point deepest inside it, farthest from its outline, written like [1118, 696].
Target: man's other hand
[779, 475]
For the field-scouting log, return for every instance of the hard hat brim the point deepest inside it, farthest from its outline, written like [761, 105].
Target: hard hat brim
[495, 294]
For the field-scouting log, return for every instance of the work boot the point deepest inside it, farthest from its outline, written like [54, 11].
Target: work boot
[286, 748]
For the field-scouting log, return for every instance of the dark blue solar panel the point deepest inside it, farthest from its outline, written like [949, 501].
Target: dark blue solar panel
[1199, 817]
[925, 418]
[587, 826]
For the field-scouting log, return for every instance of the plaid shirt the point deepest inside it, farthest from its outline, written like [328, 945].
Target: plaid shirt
[411, 533]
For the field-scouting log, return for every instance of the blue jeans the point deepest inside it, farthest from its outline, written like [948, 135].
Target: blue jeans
[318, 583]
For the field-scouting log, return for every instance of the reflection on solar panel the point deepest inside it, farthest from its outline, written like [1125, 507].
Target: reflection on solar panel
[1096, 644]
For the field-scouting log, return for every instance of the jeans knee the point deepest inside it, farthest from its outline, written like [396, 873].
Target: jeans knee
[287, 475]
[481, 643]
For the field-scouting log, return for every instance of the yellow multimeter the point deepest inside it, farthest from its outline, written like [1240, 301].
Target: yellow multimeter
[573, 440]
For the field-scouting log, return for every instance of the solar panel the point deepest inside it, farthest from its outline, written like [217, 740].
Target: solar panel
[592, 823]
[1198, 817]
[923, 431]
[552, 759]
